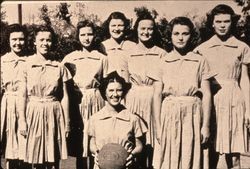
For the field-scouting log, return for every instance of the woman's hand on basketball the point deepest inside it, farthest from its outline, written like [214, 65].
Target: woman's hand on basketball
[130, 159]
[96, 157]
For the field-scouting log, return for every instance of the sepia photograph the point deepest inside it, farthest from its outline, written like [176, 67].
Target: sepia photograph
[125, 84]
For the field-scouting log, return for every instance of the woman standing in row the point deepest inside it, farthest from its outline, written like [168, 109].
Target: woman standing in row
[145, 54]
[184, 113]
[117, 46]
[228, 58]
[90, 68]
[13, 123]
[47, 115]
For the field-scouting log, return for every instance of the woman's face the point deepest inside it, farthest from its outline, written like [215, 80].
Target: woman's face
[43, 42]
[180, 36]
[86, 36]
[145, 30]
[17, 42]
[222, 24]
[114, 93]
[116, 28]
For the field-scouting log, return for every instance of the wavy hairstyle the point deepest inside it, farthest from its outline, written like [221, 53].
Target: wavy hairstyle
[145, 15]
[181, 20]
[16, 28]
[87, 23]
[45, 28]
[116, 15]
[111, 78]
[222, 9]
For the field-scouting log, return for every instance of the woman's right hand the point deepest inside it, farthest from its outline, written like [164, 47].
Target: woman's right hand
[158, 136]
[22, 127]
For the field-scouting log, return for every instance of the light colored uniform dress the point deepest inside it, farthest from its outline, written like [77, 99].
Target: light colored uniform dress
[11, 66]
[90, 67]
[117, 55]
[46, 140]
[181, 111]
[139, 98]
[226, 59]
[108, 126]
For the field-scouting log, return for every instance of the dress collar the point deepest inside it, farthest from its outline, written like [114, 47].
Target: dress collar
[12, 57]
[38, 61]
[109, 112]
[84, 54]
[111, 44]
[173, 56]
[230, 42]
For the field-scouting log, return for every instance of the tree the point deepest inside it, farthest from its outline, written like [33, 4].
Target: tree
[44, 15]
[244, 24]
[3, 32]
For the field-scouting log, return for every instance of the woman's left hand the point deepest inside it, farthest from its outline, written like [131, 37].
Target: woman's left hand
[247, 120]
[129, 159]
[67, 130]
[205, 134]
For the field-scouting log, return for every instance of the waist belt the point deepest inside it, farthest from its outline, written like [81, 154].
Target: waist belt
[42, 99]
[182, 99]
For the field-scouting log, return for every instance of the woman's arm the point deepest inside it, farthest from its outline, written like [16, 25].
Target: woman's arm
[65, 105]
[22, 125]
[245, 86]
[206, 105]
[22, 101]
[93, 149]
[157, 102]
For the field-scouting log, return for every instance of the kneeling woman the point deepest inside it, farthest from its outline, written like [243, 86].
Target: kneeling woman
[114, 123]
[184, 116]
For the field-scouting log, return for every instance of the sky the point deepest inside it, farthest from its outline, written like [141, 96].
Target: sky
[168, 9]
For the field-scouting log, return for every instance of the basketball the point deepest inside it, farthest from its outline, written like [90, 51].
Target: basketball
[112, 156]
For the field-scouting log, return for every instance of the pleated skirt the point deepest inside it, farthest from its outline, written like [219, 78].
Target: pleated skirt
[12, 142]
[139, 100]
[180, 133]
[231, 134]
[46, 140]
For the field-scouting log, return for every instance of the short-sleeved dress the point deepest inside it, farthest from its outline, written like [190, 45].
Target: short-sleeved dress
[108, 126]
[12, 142]
[139, 98]
[117, 55]
[226, 59]
[46, 140]
[181, 111]
[90, 68]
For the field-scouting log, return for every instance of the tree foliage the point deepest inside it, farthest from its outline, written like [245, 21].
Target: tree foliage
[3, 32]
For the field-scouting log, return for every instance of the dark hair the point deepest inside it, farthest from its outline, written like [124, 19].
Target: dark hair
[116, 15]
[156, 34]
[45, 28]
[113, 77]
[181, 20]
[222, 9]
[87, 23]
[82, 24]
[16, 28]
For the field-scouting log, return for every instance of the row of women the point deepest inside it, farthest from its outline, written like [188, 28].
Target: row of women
[161, 107]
